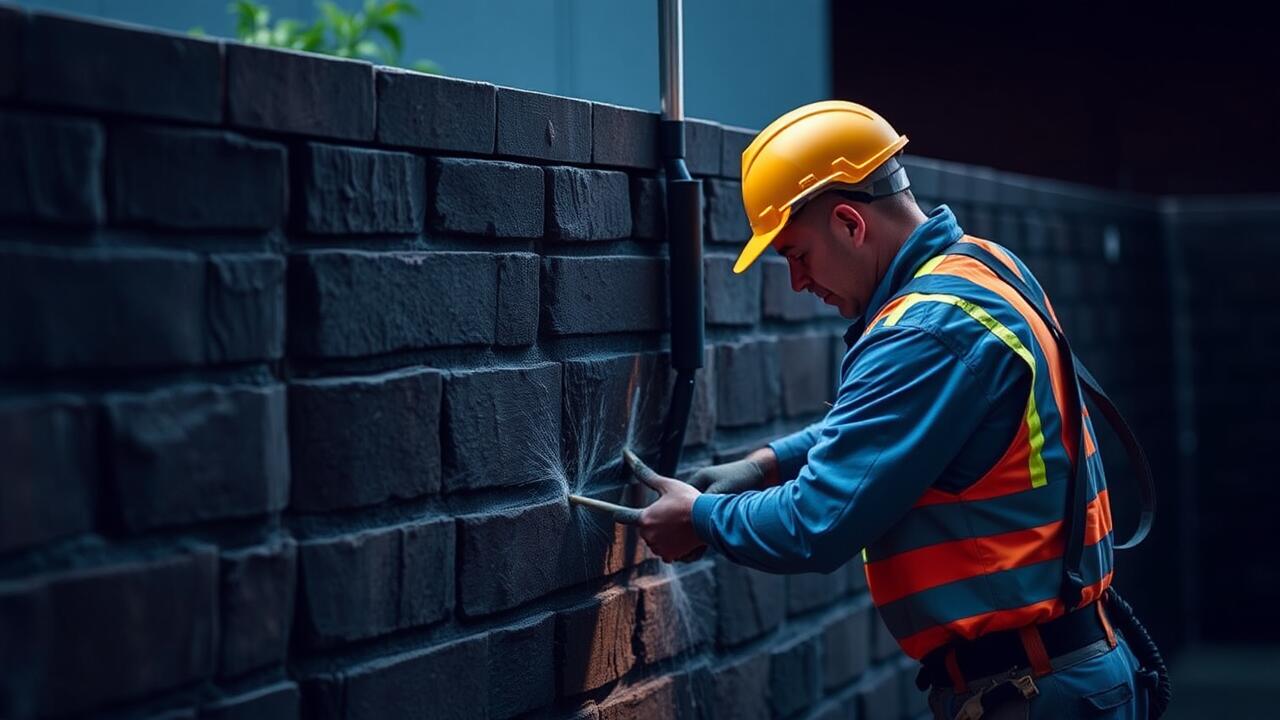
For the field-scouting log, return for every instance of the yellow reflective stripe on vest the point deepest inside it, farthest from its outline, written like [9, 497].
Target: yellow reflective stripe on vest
[1035, 434]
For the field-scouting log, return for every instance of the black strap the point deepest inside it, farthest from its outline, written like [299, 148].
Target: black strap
[1077, 376]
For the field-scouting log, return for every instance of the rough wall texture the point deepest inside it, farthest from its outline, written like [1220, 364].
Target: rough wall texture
[300, 355]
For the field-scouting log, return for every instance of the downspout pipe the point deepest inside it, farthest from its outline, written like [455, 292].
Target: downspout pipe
[684, 237]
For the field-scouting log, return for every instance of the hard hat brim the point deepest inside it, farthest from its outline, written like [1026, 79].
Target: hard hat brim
[756, 246]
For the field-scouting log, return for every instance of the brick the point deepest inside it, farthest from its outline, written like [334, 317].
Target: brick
[749, 603]
[809, 591]
[256, 606]
[780, 301]
[486, 197]
[857, 575]
[522, 666]
[846, 645]
[435, 112]
[610, 403]
[544, 127]
[587, 204]
[594, 641]
[359, 191]
[50, 450]
[129, 630]
[511, 556]
[445, 682]
[733, 142]
[726, 219]
[648, 209]
[747, 383]
[519, 299]
[740, 689]
[180, 178]
[226, 444]
[52, 170]
[702, 149]
[808, 380]
[731, 299]
[666, 697]
[274, 702]
[676, 613]
[115, 68]
[95, 308]
[491, 417]
[624, 137]
[347, 304]
[795, 674]
[702, 416]
[877, 695]
[374, 582]
[297, 92]
[244, 308]
[12, 20]
[361, 441]
[588, 295]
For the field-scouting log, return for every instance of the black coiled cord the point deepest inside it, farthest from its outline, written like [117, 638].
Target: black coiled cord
[1153, 673]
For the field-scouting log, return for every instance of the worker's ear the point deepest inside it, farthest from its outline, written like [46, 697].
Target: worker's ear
[847, 222]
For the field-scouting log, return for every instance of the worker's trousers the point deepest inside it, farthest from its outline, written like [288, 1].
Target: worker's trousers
[1101, 683]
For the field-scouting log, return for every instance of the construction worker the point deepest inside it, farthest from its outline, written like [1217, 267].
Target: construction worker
[957, 452]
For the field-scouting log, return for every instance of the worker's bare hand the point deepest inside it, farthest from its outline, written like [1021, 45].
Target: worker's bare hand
[666, 526]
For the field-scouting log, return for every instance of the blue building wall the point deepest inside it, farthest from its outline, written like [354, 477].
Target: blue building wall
[746, 61]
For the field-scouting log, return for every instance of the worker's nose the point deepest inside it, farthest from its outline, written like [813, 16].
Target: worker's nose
[799, 280]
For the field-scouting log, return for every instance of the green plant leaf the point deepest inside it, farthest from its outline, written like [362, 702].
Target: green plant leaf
[391, 32]
[425, 66]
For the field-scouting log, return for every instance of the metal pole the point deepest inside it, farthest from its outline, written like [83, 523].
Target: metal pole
[671, 57]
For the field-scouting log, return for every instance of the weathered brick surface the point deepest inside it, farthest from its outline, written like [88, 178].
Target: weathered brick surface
[726, 220]
[121, 69]
[733, 141]
[676, 613]
[256, 606]
[747, 383]
[360, 441]
[544, 127]
[740, 688]
[522, 668]
[50, 446]
[808, 380]
[486, 197]
[610, 403]
[52, 170]
[795, 674]
[807, 591]
[346, 304]
[373, 582]
[435, 112]
[877, 694]
[357, 191]
[280, 700]
[444, 682]
[174, 178]
[286, 91]
[491, 417]
[122, 631]
[702, 147]
[623, 137]
[731, 299]
[73, 308]
[509, 557]
[190, 454]
[519, 298]
[589, 295]
[749, 603]
[594, 641]
[846, 645]
[648, 208]
[587, 204]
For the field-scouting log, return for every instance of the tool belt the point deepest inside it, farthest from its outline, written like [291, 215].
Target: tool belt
[957, 664]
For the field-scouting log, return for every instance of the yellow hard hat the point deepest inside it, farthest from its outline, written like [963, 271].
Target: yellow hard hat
[811, 148]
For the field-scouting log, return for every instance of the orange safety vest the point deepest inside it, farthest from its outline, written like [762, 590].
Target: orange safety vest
[989, 558]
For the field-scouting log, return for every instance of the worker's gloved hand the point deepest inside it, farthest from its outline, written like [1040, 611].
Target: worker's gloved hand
[729, 478]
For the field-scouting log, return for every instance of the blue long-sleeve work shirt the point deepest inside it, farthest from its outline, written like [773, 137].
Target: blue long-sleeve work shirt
[932, 401]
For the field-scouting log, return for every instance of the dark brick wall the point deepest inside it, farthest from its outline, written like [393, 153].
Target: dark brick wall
[298, 357]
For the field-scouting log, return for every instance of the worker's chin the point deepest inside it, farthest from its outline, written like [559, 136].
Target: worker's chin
[848, 309]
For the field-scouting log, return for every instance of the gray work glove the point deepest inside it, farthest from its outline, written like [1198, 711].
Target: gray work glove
[728, 478]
